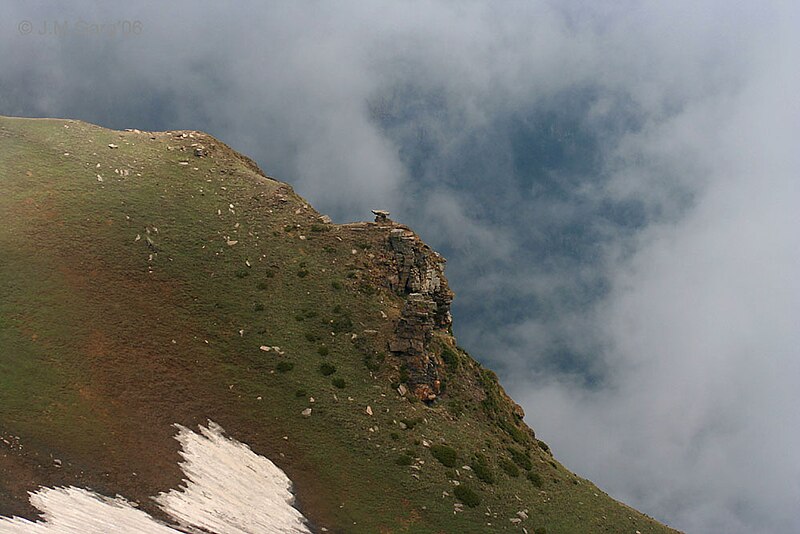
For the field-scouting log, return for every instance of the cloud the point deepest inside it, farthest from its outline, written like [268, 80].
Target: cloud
[614, 186]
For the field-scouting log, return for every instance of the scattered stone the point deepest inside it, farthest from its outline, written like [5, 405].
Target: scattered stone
[369, 410]
[325, 219]
[231, 242]
[522, 515]
[112, 145]
[265, 348]
[306, 412]
[200, 152]
[402, 390]
[426, 443]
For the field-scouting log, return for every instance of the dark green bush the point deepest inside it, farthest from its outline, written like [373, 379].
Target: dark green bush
[447, 456]
[509, 467]
[336, 285]
[327, 369]
[450, 358]
[467, 495]
[258, 307]
[262, 286]
[512, 430]
[520, 458]
[540, 530]
[242, 273]
[480, 466]
[404, 459]
[322, 350]
[342, 324]
[284, 367]
[536, 479]
[302, 273]
[300, 393]
[542, 445]
[339, 383]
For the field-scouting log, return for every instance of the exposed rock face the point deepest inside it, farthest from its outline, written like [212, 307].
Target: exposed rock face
[420, 270]
[420, 276]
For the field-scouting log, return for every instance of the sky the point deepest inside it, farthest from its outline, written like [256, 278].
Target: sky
[614, 184]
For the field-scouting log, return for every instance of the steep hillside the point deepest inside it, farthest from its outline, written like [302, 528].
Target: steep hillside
[148, 279]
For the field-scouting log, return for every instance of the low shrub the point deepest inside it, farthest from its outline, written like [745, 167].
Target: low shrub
[480, 466]
[327, 369]
[520, 458]
[447, 456]
[542, 445]
[536, 479]
[302, 273]
[322, 350]
[404, 459]
[509, 467]
[242, 273]
[336, 285]
[467, 495]
[339, 383]
[284, 367]
[258, 307]
[450, 358]
[342, 324]
[300, 393]
[373, 361]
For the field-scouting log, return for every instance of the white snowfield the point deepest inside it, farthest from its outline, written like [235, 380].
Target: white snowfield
[228, 489]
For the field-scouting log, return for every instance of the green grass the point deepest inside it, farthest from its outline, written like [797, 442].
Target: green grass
[103, 348]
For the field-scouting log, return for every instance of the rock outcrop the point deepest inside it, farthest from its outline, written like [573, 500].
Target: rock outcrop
[419, 276]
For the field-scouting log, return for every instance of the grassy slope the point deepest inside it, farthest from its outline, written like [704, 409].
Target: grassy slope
[103, 346]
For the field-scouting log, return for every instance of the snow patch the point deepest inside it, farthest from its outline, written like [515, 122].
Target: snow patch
[228, 489]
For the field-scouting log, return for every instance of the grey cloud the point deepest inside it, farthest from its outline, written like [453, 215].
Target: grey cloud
[614, 186]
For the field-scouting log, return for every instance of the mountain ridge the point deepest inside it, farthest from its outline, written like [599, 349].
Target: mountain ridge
[155, 278]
